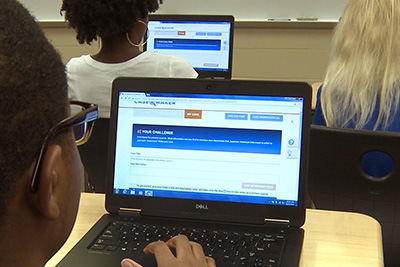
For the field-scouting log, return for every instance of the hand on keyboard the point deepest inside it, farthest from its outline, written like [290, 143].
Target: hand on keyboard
[187, 254]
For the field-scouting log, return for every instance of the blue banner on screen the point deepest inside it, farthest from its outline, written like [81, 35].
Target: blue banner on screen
[187, 44]
[207, 139]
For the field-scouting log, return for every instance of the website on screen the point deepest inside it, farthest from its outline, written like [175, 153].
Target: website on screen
[210, 147]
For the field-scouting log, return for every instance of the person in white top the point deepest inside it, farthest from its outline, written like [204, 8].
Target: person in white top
[90, 80]
[121, 26]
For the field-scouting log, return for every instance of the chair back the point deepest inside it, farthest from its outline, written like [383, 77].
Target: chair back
[94, 155]
[336, 180]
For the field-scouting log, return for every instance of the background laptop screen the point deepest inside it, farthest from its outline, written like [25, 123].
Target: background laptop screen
[204, 41]
[210, 147]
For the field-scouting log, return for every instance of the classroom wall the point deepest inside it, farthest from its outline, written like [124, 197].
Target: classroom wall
[261, 52]
[249, 10]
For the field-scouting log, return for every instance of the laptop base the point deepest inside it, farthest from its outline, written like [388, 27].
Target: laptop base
[81, 255]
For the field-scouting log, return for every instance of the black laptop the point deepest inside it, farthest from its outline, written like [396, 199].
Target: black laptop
[205, 41]
[221, 161]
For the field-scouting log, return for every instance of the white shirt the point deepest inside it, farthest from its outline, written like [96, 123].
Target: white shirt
[90, 80]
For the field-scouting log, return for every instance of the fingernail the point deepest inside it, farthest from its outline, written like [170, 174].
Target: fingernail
[126, 264]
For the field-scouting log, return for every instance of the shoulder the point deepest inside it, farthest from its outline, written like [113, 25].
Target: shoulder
[78, 62]
[318, 118]
[162, 58]
[177, 67]
[319, 91]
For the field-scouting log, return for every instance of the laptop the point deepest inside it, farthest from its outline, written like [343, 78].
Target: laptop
[205, 41]
[223, 157]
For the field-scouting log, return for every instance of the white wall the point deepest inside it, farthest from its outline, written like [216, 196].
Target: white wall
[243, 10]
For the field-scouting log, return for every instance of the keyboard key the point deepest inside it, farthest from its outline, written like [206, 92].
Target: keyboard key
[98, 247]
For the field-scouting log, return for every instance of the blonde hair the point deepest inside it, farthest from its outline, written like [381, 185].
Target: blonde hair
[364, 66]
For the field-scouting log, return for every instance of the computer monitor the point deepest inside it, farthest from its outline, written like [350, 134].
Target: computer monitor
[205, 41]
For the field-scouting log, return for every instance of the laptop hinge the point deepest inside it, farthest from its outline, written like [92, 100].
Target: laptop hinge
[129, 212]
[277, 223]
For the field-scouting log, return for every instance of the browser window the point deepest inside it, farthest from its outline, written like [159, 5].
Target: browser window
[204, 44]
[212, 147]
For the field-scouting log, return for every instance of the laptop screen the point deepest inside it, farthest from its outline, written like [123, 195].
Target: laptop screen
[204, 41]
[232, 148]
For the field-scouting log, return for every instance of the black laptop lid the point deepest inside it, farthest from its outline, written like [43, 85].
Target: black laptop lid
[205, 41]
[218, 150]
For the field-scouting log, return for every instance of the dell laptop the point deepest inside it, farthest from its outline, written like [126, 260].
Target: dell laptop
[222, 161]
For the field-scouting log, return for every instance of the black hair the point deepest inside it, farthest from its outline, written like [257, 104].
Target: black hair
[105, 18]
[33, 90]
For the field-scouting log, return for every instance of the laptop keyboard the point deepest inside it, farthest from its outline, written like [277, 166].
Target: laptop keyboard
[241, 249]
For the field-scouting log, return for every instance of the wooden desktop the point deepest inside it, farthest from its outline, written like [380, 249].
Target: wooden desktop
[332, 238]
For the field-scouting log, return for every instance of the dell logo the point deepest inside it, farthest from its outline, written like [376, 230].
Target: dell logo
[201, 207]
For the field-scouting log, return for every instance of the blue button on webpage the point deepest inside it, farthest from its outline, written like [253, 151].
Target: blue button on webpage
[262, 117]
[236, 116]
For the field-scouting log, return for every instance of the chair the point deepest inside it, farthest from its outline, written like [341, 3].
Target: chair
[336, 180]
[94, 155]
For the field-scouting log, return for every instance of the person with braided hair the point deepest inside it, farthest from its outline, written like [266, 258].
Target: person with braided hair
[120, 27]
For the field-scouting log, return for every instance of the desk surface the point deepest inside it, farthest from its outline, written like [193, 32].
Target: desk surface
[331, 238]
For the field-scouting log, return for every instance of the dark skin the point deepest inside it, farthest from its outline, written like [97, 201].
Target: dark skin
[117, 49]
[187, 254]
[33, 218]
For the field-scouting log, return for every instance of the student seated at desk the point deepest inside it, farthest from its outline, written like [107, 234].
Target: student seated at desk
[121, 26]
[40, 171]
[361, 89]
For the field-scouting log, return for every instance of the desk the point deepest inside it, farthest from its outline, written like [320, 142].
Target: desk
[332, 238]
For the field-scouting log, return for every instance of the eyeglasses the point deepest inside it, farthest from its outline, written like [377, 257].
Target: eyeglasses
[82, 121]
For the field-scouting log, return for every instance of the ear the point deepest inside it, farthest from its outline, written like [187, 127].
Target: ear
[45, 199]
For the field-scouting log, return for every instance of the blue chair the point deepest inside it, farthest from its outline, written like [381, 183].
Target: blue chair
[337, 181]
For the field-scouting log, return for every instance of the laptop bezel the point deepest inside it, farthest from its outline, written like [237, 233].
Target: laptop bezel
[218, 211]
[206, 18]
